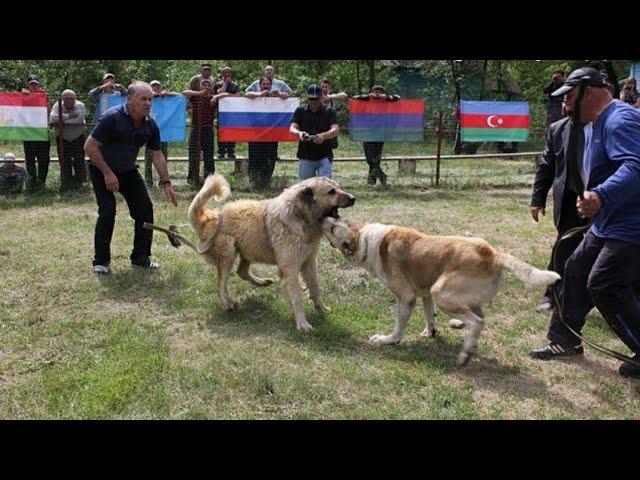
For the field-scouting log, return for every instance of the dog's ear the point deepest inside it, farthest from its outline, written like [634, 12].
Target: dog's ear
[306, 194]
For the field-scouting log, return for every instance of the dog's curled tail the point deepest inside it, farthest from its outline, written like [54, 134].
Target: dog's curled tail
[528, 273]
[216, 187]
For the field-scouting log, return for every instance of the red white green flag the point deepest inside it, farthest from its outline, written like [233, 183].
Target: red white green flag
[494, 121]
[23, 116]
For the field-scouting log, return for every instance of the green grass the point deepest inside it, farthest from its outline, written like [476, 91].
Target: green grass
[158, 345]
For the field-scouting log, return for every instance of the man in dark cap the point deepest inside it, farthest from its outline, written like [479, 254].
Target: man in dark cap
[107, 87]
[224, 88]
[554, 104]
[606, 264]
[205, 72]
[36, 149]
[314, 124]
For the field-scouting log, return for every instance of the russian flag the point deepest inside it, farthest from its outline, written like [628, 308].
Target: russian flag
[264, 119]
[494, 121]
[384, 121]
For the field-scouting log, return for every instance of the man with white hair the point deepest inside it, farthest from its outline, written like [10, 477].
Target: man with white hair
[73, 125]
[113, 147]
[11, 176]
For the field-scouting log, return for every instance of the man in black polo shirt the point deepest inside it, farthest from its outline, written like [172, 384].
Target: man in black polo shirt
[314, 124]
[113, 148]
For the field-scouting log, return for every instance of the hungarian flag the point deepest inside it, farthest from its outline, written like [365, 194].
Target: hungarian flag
[23, 116]
[384, 121]
[262, 119]
[494, 121]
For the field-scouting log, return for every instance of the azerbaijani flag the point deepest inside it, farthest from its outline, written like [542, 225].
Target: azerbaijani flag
[23, 116]
[494, 121]
[384, 121]
[262, 119]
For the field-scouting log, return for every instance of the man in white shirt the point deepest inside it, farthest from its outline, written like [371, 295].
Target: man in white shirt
[73, 126]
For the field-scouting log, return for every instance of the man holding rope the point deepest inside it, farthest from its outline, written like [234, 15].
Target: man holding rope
[113, 148]
[605, 265]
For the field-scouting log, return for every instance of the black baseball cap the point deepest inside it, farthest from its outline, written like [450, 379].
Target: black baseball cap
[314, 92]
[590, 76]
[206, 65]
[32, 78]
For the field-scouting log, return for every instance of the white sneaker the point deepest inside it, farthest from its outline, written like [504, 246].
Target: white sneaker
[101, 270]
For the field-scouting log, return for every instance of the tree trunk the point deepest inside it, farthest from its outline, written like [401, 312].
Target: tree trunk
[372, 73]
[358, 76]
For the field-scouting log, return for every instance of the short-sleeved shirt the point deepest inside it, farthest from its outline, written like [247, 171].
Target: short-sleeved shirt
[121, 139]
[314, 123]
[277, 85]
[612, 159]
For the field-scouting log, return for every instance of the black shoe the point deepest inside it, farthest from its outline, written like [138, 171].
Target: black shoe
[556, 350]
[629, 370]
[231, 155]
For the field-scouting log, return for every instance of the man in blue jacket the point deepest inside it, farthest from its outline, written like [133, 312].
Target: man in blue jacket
[605, 265]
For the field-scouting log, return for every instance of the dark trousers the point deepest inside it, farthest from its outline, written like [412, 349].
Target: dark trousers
[373, 156]
[554, 113]
[73, 165]
[39, 150]
[600, 273]
[135, 193]
[206, 147]
[261, 163]
[148, 171]
[228, 148]
[569, 219]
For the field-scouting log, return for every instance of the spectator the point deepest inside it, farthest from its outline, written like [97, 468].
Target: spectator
[262, 155]
[205, 73]
[606, 264]
[113, 148]
[108, 86]
[629, 93]
[373, 150]
[73, 119]
[320, 123]
[554, 104]
[225, 88]
[202, 107]
[278, 89]
[553, 170]
[282, 89]
[330, 99]
[36, 180]
[11, 176]
[158, 92]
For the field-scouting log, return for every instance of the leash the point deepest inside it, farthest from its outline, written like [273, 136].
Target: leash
[178, 240]
[612, 353]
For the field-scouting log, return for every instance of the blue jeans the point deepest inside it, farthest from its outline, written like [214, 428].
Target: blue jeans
[311, 168]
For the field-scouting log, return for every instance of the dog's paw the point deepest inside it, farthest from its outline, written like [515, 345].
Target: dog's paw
[384, 340]
[427, 333]
[322, 308]
[455, 323]
[463, 358]
[304, 327]
[231, 305]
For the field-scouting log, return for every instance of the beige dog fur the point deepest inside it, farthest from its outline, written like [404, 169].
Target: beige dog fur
[283, 231]
[459, 273]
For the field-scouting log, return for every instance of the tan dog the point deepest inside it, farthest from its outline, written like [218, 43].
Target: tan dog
[284, 231]
[459, 273]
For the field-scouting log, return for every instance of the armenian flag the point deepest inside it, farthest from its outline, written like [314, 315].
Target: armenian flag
[384, 121]
[494, 121]
[23, 116]
[262, 119]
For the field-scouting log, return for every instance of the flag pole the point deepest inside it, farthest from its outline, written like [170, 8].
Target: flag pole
[439, 146]
[61, 160]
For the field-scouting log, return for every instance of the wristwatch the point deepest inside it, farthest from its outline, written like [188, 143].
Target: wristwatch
[162, 183]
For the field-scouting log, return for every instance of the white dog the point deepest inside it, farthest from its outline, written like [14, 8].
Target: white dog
[459, 273]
